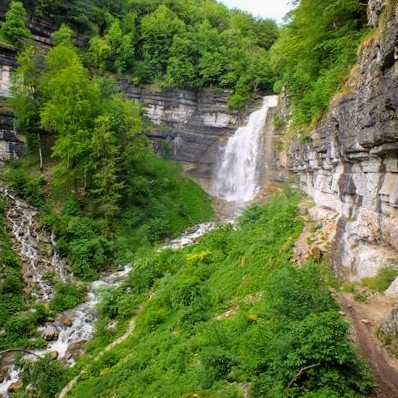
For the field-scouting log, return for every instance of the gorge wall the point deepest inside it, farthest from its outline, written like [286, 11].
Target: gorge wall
[349, 165]
[11, 144]
[188, 127]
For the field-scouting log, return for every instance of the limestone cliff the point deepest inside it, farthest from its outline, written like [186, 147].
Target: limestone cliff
[10, 144]
[189, 126]
[349, 165]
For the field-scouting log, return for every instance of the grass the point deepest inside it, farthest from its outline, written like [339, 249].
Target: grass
[382, 281]
[228, 312]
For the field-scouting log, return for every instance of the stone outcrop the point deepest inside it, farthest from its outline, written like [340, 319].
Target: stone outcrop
[11, 145]
[190, 127]
[390, 324]
[350, 163]
[50, 332]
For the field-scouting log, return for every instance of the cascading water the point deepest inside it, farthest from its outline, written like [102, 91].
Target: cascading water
[76, 326]
[237, 177]
[29, 237]
[236, 181]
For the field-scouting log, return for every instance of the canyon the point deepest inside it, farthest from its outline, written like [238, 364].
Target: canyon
[347, 164]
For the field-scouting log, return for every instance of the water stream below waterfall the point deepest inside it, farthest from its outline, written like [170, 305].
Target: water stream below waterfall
[76, 326]
[236, 182]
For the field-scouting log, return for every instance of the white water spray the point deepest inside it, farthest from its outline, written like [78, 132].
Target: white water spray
[237, 176]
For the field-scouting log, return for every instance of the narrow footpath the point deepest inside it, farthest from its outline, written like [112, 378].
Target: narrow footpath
[364, 319]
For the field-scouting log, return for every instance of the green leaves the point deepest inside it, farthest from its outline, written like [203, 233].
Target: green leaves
[230, 311]
[14, 28]
[315, 51]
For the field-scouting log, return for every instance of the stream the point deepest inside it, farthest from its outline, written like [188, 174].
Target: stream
[236, 183]
[72, 329]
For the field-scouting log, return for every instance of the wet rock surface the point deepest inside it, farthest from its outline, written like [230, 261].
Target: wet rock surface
[50, 332]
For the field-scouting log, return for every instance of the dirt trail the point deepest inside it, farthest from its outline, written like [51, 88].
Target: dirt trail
[364, 319]
[126, 334]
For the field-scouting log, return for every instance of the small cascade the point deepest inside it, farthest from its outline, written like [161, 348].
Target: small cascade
[29, 240]
[237, 177]
[75, 327]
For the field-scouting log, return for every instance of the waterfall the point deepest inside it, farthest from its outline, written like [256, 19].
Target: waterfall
[237, 177]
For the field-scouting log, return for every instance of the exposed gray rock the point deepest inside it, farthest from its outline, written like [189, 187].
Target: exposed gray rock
[350, 165]
[375, 7]
[392, 291]
[50, 332]
[390, 324]
[191, 126]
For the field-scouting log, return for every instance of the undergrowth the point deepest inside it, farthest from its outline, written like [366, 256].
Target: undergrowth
[228, 312]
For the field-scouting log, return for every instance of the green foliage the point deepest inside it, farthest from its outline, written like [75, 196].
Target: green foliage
[381, 282]
[314, 53]
[114, 192]
[228, 311]
[27, 96]
[45, 376]
[63, 36]
[14, 28]
[11, 285]
[67, 295]
[18, 323]
[23, 184]
[177, 43]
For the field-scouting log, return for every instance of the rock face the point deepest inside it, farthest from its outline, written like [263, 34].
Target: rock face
[10, 144]
[50, 332]
[350, 164]
[390, 324]
[190, 126]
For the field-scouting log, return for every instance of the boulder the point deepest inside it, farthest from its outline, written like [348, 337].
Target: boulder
[75, 350]
[53, 354]
[15, 386]
[390, 323]
[50, 332]
[392, 291]
[64, 320]
[3, 373]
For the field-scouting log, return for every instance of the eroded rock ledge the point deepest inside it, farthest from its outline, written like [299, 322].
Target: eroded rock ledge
[350, 164]
[190, 126]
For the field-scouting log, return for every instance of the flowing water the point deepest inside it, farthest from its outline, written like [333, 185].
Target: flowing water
[237, 177]
[76, 326]
[235, 182]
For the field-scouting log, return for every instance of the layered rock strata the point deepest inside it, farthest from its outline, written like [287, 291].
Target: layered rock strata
[350, 163]
[190, 127]
[11, 144]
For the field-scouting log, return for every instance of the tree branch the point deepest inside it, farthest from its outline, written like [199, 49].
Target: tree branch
[298, 375]
[20, 350]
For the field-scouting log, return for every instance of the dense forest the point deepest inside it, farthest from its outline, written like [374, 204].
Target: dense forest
[92, 174]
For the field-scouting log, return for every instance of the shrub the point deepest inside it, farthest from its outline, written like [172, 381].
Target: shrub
[67, 295]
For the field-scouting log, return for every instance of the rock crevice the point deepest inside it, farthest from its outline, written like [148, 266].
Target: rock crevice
[350, 163]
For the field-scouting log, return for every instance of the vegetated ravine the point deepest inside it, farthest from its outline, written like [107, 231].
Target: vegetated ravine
[71, 330]
[230, 315]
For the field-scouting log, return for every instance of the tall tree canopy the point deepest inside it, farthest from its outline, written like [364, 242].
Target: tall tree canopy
[175, 43]
[315, 50]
